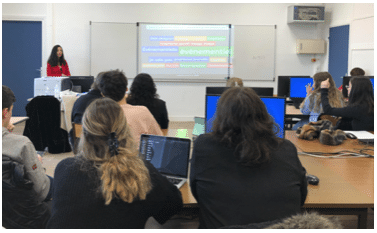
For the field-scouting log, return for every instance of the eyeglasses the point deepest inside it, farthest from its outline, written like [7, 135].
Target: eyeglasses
[348, 87]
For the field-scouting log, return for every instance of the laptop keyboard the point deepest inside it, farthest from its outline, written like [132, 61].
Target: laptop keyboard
[174, 181]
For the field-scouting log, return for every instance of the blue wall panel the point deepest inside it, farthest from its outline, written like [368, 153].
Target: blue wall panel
[22, 57]
[338, 53]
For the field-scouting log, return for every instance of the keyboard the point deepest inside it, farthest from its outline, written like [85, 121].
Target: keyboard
[174, 181]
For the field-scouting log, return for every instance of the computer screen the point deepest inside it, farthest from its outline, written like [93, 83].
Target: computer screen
[283, 85]
[169, 155]
[297, 86]
[261, 91]
[85, 82]
[275, 107]
[346, 81]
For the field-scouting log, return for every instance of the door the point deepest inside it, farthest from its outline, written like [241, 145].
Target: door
[22, 59]
[338, 53]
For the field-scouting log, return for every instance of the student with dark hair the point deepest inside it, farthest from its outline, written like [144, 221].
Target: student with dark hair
[107, 185]
[360, 105]
[113, 84]
[56, 64]
[26, 188]
[144, 92]
[241, 173]
[354, 72]
[357, 72]
[82, 103]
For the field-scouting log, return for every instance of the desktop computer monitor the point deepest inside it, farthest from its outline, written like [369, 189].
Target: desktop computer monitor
[297, 86]
[346, 81]
[297, 89]
[81, 83]
[283, 85]
[275, 107]
[261, 91]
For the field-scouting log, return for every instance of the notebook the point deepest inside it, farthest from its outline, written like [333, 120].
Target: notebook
[363, 136]
[169, 155]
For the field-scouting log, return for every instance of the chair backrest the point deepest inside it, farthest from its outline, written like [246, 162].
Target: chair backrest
[77, 129]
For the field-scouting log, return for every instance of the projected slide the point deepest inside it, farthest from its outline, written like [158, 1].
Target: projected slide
[185, 50]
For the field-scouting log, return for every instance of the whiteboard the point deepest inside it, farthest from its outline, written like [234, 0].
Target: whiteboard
[115, 46]
[363, 59]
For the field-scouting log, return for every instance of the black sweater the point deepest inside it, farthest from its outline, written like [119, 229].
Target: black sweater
[76, 204]
[360, 119]
[229, 193]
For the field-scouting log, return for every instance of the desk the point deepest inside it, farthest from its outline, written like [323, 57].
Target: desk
[346, 185]
[17, 120]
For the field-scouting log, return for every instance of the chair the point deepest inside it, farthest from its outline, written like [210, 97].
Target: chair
[43, 126]
[77, 132]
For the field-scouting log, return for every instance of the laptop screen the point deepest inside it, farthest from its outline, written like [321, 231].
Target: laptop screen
[297, 86]
[199, 126]
[168, 155]
[275, 107]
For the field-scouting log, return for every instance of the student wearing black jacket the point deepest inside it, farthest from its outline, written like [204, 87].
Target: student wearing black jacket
[107, 185]
[241, 173]
[360, 106]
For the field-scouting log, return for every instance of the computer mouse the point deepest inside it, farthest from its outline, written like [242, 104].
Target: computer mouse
[351, 136]
[312, 179]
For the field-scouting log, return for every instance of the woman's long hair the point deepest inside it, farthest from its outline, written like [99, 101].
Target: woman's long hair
[54, 59]
[335, 96]
[143, 91]
[242, 121]
[362, 93]
[122, 175]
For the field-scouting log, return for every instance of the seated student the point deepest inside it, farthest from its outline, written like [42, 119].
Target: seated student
[113, 84]
[232, 82]
[312, 103]
[354, 72]
[143, 92]
[107, 185]
[26, 187]
[241, 173]
[81, 104]
[360, 105]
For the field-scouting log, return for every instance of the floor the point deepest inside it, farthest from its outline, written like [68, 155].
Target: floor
[187, 218]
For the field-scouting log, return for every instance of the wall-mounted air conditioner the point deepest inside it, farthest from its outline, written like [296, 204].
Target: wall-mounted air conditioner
[310, 46]
[306, 14]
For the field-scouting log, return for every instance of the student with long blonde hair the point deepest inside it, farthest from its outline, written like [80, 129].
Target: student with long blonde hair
[312, 104]
[107, 185]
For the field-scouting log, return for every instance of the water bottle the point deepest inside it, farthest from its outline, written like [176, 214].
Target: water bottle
[56, 91]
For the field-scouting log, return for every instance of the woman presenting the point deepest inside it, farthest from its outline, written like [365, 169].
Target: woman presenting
[56, 64]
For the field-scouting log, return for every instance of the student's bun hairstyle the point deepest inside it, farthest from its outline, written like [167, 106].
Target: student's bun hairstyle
[123, 174]
[242, 121]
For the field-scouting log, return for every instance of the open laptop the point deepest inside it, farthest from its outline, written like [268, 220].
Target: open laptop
[169, 155]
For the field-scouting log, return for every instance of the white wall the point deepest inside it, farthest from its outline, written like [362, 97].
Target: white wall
[68, 25]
